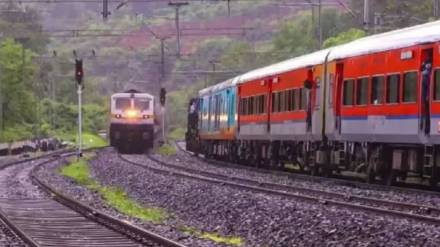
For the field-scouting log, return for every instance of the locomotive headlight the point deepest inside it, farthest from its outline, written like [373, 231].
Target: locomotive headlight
[131, 113]
[118, 116]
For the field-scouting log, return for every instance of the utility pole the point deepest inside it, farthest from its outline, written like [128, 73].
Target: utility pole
[366, 14]
[436, 8]
[1, 112]
[320, 23]
[105, 12]
[162, 59]
[79, 76]
[213, 63]
[177, 6]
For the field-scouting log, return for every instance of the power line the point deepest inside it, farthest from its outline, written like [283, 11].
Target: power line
[105, 12]
[436, 8]
[117, 1]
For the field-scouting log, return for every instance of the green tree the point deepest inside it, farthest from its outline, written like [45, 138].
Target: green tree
[17, 71]
[294, 38]
[26, 23]
[299, 36]
[395, 13]
[239, 56]
[344, 37]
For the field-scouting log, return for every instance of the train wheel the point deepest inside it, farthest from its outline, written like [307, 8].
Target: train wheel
[314, 170]
[390, 178]
[371, 175]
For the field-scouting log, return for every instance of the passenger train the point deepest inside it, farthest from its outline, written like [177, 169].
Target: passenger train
[370, 107]
[132, 121]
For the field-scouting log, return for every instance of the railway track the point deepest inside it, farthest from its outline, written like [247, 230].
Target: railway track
[408, 211]
[58, 220]
[414, 189]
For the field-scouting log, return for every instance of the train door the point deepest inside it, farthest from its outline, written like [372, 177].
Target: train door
[201, 108]
[310, 98]
[426, 61]
[230, 107]
[210, 112]
[339, 79]
[268, 101]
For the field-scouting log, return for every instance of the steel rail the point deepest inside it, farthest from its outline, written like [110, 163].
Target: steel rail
[278, 190]
[14, 227]
[131, 231]
[348, 181]
[103, 218]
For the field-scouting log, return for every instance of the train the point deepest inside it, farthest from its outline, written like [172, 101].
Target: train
[369, 108]
[132, 121]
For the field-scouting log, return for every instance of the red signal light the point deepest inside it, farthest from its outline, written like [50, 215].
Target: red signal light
[79, 73]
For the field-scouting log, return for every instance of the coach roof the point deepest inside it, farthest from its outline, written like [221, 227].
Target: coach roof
[425, 33]
[288, 65]
[406, 37]
[219, 86]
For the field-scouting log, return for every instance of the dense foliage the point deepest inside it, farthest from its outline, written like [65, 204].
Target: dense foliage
[37, 87]
[37, 91]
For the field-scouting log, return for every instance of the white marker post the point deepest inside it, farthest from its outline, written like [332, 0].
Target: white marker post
[79, 154]
[79, 74]
[163, 124]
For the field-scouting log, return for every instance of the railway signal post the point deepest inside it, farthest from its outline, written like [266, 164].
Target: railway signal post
[163, 95]
[79, 74]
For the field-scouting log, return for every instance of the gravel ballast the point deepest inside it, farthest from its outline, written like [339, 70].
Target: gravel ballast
[184, 159]
[15, 184]
[260, 219]
[50, 175]
[8, 238]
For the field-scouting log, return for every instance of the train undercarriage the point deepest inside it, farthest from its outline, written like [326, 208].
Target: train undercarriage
[132, 138]
[374, 162]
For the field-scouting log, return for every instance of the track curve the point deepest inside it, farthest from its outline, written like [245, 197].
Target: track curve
[58, 220]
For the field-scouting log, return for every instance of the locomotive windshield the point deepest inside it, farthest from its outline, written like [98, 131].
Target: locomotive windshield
[142, 104]
[122, 103]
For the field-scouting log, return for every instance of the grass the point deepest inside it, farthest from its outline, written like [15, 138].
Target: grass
[90, 140]
[118, 199]
[177, 134]
[215, 237]
[115, 197]
[93, 141]
[167, 150]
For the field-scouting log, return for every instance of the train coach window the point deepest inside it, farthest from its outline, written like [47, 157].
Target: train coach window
[291, 99]
[274, 101]
[437, 84]
[287, 100]
[244, 106]
[251, 102]
[362, 91]
[297, 99]
[303, 94]
[122, 103]
[279, 103]
[348, 92]
[262, 104]
[393, 88]
[377, 90]
[282, 102]
[410, 87]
